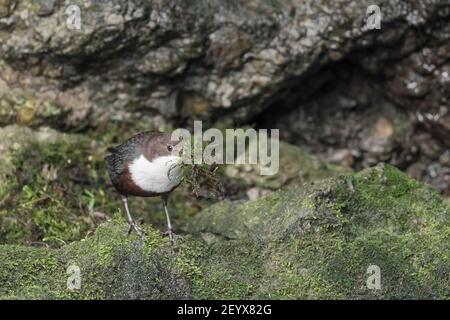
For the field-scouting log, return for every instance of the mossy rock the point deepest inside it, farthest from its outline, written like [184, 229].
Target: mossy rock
[111, 265]
[318, 241]
[48, 186]
[314, 241]
[295, 168]
[54, 187]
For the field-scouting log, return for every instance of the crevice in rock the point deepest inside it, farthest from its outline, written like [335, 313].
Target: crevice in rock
[348, 115]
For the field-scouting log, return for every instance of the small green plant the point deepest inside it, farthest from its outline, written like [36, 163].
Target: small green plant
[90, 201]
[201, 177]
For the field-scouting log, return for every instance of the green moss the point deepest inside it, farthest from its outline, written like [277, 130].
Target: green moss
[54, 189]
[313, 241]
[111, 264]
[51, 197]
[295, 168]
[33, 6]
[319, 242]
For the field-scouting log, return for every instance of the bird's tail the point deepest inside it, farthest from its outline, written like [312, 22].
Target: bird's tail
[110, 153]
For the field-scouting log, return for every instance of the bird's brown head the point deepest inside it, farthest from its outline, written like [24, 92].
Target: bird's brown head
[160, 145]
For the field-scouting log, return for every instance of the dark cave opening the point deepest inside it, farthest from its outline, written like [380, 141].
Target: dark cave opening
[346, 116]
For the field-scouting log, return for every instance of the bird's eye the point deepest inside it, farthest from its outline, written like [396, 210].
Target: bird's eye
[169, 147]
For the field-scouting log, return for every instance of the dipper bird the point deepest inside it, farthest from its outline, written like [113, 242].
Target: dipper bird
[146, 165]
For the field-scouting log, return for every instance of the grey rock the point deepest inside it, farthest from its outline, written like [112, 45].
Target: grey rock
[234, 55]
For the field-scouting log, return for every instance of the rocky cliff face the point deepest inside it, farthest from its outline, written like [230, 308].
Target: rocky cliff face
[158, 64]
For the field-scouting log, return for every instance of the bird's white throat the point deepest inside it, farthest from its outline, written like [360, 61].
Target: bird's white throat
[160, 175]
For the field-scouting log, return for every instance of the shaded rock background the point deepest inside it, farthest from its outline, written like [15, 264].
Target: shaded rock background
[345, 98]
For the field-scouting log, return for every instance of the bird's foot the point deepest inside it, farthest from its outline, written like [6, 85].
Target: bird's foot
[172, 236]
[134, 227]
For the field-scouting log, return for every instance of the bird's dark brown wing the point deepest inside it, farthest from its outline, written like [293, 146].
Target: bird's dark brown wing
[129, 150]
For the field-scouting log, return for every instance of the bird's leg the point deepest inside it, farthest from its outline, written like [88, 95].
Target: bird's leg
[169, 225]
[133, 225]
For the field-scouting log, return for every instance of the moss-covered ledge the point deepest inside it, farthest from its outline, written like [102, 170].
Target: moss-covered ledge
[314, 241]
[111, 264]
